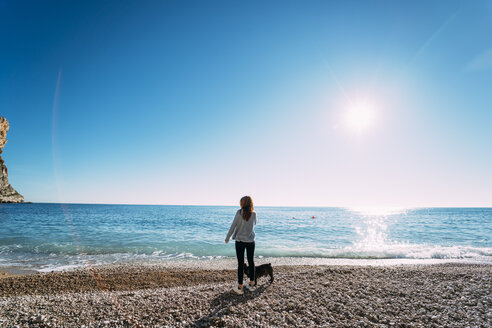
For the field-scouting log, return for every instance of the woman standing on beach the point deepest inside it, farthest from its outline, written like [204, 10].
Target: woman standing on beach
[243, 232]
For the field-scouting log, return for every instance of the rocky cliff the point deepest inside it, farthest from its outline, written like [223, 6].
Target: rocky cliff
[7, 193]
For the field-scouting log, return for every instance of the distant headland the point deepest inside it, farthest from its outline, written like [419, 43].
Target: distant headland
[7, 193]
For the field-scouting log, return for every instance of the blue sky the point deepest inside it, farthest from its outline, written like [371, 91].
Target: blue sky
[349, 103]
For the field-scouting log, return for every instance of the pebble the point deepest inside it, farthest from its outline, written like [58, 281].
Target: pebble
[361, 296]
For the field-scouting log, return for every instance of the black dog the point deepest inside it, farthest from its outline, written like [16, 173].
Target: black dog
[260, 271]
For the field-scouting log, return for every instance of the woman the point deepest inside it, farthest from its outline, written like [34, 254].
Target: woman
[243, 228]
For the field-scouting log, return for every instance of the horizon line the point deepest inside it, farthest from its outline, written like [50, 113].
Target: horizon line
[292, 206]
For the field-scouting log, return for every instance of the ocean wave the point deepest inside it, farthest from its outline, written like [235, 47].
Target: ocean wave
[390, 251]
[57, 262]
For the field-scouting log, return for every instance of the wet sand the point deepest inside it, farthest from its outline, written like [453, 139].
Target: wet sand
[445, 295]
[5, 274]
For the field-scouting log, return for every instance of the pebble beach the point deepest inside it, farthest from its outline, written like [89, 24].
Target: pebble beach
[444, 295]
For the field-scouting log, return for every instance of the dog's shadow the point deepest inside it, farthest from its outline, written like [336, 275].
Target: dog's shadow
[222, 303]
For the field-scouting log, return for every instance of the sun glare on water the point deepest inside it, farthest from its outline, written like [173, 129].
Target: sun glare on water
[378, 210]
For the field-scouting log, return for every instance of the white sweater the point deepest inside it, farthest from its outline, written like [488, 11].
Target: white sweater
[243, 230]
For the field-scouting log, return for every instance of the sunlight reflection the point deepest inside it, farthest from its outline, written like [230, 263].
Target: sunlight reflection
[377, 210]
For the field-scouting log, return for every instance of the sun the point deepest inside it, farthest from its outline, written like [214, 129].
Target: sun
[360, 116]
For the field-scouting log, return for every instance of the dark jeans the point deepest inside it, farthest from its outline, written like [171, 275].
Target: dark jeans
[250, 251]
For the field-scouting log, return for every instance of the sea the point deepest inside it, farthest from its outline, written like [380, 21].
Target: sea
[48, 237]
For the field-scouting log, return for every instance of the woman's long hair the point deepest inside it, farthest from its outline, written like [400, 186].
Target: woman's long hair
[246, 207]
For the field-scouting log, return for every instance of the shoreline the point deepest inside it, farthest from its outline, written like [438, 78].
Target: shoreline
[436, 295]
[225, 263]
[135, 276]
[6, 274]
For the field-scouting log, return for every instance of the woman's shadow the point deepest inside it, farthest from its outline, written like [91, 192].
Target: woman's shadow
[221, 304]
